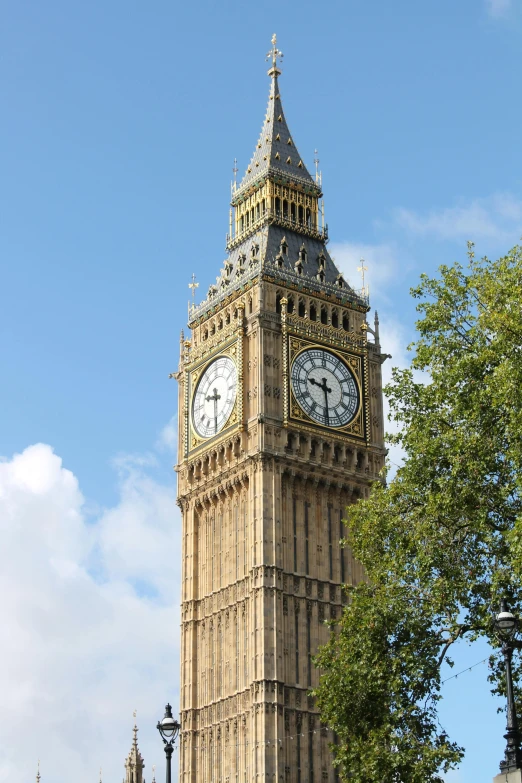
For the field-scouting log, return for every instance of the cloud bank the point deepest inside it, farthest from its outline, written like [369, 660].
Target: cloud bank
[497, 219]
[88, 619]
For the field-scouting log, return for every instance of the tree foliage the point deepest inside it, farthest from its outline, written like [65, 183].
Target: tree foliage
[442, 542]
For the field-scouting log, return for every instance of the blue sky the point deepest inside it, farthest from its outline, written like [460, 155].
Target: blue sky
[120, 125]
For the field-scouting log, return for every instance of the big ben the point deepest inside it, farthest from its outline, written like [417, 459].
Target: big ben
[280, 428]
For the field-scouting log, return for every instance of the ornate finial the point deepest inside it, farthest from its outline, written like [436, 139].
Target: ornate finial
[153, 773]
[38, 772]
[100, 775]
[274, 54]
[193, 285]
[234, 172]
[317, 172]
[362, 269]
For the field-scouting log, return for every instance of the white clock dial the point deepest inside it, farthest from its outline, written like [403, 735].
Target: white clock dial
[325, 387]
[215, 396]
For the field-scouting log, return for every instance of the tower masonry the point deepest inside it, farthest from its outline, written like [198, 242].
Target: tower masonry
[280, 428]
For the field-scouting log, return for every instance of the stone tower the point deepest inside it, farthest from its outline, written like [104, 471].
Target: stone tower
[134, 763]
[280, 428]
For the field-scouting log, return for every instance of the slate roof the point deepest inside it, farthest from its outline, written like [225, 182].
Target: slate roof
[261, 253]
[276, 147]
[306, 262]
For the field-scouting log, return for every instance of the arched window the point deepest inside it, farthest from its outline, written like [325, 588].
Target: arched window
[324, 315]
[292, 212]
[308, 217]
[346, 323]
[250, 305]
[278, 206]
[278, 303]
[285, 208]
[313, 312]
[300, 214]
[301, 309]
[290, 304]
[335, 319]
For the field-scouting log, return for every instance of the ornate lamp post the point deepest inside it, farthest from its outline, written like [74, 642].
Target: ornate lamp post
[169, 730]
[506, 625]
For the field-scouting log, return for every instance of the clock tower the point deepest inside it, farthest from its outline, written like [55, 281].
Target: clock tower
[280, 428]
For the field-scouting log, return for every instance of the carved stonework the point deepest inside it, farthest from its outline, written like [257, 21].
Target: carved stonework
[262, 570]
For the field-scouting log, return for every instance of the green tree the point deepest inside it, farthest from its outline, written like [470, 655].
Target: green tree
[442, 542]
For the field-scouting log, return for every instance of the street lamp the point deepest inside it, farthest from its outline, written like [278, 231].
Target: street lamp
[169, 730]
[506, 625]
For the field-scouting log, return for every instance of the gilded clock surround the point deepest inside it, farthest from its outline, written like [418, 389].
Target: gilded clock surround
[356, 427]
[194, 371]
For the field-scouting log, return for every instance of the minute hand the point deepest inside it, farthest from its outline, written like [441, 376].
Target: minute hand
[326, 389]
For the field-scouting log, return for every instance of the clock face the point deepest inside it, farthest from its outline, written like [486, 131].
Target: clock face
[214, 398]
[324, 387]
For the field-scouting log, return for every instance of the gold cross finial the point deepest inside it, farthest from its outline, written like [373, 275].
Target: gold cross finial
[362, 269]
[274, 54]
[233, 185]
[193, 285]
[317, 172]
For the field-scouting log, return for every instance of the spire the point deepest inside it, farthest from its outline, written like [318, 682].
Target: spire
[38, 772]
[277, 228]
[276, 150]
[134, 763]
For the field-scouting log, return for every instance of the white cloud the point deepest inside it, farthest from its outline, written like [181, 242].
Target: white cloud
[498, 8]
[168, 437]
[88, 619]
[497, 218]
[381, 260]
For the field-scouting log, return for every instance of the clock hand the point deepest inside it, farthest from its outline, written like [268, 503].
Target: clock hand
[326, 389]
[215, 397]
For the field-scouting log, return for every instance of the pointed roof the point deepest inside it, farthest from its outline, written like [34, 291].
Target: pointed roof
[134, 762]
[278, 247]
[276, 150]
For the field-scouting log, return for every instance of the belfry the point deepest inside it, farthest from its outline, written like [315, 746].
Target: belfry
[280, 428]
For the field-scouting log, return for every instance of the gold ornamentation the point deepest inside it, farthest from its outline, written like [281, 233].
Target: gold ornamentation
[358, 365]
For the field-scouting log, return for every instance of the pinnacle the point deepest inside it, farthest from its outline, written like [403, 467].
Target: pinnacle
[275, 140]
